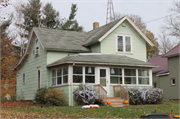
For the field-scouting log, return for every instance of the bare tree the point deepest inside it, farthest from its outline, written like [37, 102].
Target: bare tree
[173, 22]
[165, 43]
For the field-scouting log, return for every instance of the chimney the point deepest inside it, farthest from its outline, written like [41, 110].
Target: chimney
[95, 25]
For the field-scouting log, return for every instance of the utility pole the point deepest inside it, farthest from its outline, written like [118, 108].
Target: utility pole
[110, 17]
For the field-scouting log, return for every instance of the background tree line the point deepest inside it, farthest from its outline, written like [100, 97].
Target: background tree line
[34, 14]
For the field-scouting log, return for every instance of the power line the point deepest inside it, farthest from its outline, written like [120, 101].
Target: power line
[162, 17]
[153, 20]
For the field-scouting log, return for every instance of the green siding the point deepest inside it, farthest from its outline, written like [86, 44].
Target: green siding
[108, 44]
[164, 82]
[95, 48]
[53, 56]
[30, 68]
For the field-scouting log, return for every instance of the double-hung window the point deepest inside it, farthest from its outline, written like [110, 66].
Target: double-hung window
[124, 43]
[59, 76]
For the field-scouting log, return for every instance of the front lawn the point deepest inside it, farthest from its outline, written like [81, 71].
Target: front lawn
[77, 112]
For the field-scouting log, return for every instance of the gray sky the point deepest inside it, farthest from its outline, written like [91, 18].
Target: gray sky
[90, 11]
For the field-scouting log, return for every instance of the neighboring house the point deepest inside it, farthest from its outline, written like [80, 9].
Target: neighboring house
[113, 54]
[166, 76]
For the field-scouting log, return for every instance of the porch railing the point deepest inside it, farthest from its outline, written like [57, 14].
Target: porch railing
[101, 93]
[120, 91]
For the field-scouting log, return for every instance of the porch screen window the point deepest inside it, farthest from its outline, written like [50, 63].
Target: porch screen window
[60, 76]
[77, 74]
[129, 76]
[143, 76]
[89, 75]
[124, 43]
[53, 77]
[116, 75]
[65, 75]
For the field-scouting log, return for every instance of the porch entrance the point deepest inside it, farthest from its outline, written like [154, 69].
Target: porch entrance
[103, 78]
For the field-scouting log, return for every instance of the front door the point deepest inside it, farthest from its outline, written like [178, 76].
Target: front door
[103, 76]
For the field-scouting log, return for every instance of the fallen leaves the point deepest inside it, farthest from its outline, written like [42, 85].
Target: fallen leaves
[16, 104]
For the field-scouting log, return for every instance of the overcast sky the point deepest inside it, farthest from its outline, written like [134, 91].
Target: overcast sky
[90, 11]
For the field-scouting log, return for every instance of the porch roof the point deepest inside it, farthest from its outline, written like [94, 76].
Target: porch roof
[102, 59]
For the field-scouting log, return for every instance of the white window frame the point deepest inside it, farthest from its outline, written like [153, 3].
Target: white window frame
[24, 78]
[62, 76]
[118, 76]
[130, 76]
[172, 82]
[124, 45]
[39, 79]
[137, 83]
[38, 46]
[84, 81]
[143, 77]
[83, 76]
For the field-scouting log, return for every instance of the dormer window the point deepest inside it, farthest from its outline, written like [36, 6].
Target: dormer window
[124, 43]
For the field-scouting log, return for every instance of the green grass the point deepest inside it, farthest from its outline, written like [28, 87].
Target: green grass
[77, 112]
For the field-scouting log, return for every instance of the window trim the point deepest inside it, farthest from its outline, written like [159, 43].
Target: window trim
[172, 81]
[40, 78]
[143, 76]
[89, 74]
[38, 46]
[24, 78]
[137, 76]
[124, 45]
[62, 76]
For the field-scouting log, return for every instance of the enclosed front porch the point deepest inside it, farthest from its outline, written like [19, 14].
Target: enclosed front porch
[107, 71]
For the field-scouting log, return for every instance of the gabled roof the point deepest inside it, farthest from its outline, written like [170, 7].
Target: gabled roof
[61, 40]
[173, 52]
[161, 62]
[98, 34]
[102, 59]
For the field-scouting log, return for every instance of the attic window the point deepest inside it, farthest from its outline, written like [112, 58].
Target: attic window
[124, 43]
[37, 47]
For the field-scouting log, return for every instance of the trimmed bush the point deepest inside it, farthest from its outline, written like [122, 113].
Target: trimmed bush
[145, 96]
[39, 95]
[55, 97]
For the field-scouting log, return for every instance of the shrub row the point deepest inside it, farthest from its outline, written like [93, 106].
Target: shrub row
[145, 96]
[50, 97]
